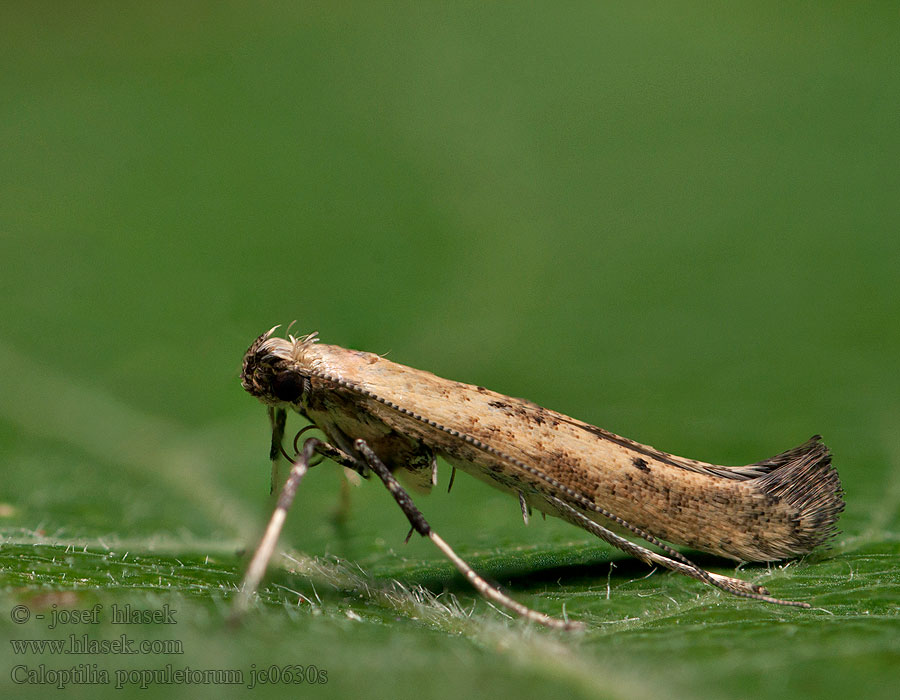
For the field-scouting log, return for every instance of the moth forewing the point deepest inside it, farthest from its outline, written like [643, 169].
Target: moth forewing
[778, 508]
[707, 507]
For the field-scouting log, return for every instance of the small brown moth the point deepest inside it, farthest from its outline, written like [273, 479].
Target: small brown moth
[386, 418]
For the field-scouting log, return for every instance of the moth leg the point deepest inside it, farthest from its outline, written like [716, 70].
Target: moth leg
[526, 509]
[343, 506]
[263, 553]
[278, 419]
[726, 583]
[420, 525]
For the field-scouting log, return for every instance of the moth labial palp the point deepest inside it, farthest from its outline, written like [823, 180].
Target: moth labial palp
[383, 417]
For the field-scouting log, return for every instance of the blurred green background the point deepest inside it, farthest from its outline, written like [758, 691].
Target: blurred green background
[676, 222]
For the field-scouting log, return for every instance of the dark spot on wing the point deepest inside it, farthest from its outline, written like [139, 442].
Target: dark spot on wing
[641, 464]
[523, 409]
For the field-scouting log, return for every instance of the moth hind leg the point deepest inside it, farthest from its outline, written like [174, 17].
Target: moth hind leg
[677, 562]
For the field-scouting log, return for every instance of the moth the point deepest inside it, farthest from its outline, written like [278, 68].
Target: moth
[385, 418]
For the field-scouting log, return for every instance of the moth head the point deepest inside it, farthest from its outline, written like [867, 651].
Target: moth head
[271, 371]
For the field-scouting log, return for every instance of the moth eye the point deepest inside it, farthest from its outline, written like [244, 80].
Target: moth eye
[287, 386]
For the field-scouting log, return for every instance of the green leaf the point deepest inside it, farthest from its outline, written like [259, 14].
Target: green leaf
[676, 222]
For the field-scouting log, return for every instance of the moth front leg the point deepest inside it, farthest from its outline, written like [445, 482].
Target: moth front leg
[278, 420]
[420, 525]
[299, 466]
